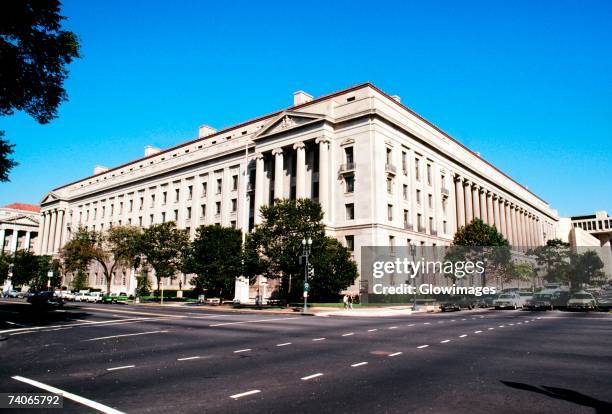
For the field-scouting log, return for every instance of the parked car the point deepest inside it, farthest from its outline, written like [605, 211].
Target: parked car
[14, 294]
[539, 301]
[582, 301]
[604, 302]
[94, 297]
[507, 301]
[485, 301]
[524, 297]
[66, 295]
[80, 297]
[458, 302]
[121, 297]
[45, 299]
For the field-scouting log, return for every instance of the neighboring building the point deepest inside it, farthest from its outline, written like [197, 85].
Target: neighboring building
[19, 227]
[383, 175]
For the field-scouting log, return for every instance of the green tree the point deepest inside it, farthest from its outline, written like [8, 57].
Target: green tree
[523, 272]
[274, 247]
[34, 54]
[26, 267]
[555, 257]
[164, 247]
[80, 280]
[143, 284]
[116, 248]
[215, 256]
[477, 241]
[585, 269]
[5, 264]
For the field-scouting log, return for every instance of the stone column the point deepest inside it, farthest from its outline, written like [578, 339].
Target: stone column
[279, 166]
[513, 230]
[52, 231]
[502, 218]
[459, 204]
[58, 231]
[521, 229]
[44, 234]
[476, 201]
[532, 231]
[26, 243]
[259, 190]
[324, 169]
[496, 212]
[14, 238]
[469, 214]
[483, 205]
[300, 170]
[490, 218]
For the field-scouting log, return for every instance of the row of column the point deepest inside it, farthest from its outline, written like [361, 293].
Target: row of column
[51, 231]
[14, 238]
[300, 175]
[518, 225]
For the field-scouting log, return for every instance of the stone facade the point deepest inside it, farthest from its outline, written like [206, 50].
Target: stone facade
[19, 227]
[382, 174]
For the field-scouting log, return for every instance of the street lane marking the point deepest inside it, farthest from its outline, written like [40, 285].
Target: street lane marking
[445, 341]
[123, 367]
[69, 395]
[462, 336]
[349, 334]
[393, 327]
[464, 319]
[440, 321]
[284, 344]
[426, 323]
[453, 320]
[422, 346]
[85, 324]
[59, 329]
[309, 377]
[411, 324]
[395, 354]
[254, 321]
[359, 364]
[244, 394]
[372, 330]
[167, 315]
[121, 336]
[477, 331]
[490, 329]
[511, 324]
[242, 350]
[188, 358]
[501, 326]
[15, 323]
[319, 339]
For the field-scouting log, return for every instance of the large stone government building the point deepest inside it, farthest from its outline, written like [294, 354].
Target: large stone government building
[383, 175]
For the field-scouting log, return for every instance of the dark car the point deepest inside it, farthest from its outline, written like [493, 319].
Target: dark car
[485, 301]
[45, 299]
[456, 303]
[539, 301]
[604, 302]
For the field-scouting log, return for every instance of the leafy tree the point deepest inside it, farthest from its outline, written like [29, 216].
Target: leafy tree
[164, 247]
[586, 269]
[143, 284]
[523, 272]
[555, 257]
[274, 247]
[477, 241]
[80, 281]
[26, 267]
[5, 264]
[215, 256]
[34, 54]
[116, 248]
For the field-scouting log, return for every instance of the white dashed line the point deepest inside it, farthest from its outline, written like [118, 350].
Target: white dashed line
[411, 324]
[462, 336]
[392, 327]
[122, 336]
[395, 354]
[244, 394]
[309, 377]
[359, 364]
[453, 320]
[242, 350]
[477, 331]
[422, 346]
[349, 334]
[445, 341]
[284, 344]
[426, 323]
[187, 358]
[501, 326]
[89, 403]
[372, 330]
[490, 329]
[464, 319]
[255, 321]
[319, 339]
[118, 368]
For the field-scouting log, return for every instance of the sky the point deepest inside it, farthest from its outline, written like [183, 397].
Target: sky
[527, 84]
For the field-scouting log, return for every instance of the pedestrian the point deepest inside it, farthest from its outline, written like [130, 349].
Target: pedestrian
[345, 300]
[350, 302]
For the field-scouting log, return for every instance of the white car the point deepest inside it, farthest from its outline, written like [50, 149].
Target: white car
[66, 294]
[94, 297]
[80, 297]
[507, 301]
[582, 301]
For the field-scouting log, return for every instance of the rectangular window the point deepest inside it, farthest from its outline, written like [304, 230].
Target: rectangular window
[418, 196]
[141, 203]
[350, 183]
[348, 155]
[406, 221]
[234, 205]
[103, 211]
[430, 200]
[389, 185]
[121, 207]
[189, 192]
[389, 156]
[163, 216]
[233, 224]
[164, 197]
[131, 206]
[175, 215]
[405, 192]
[219, 185]
[218, 207]
[177, 195]
[392, 243]
[404, 163]
[112, 213]
[204, 188]
[390, 212]
[350, 211]
[431, 224]
[140, 221]
[203, 211]
[429, 174]
[420, 222]
[417, 169]
[151, 219]
[152, 200]
[188, 213]
[235, 182]
[444, 230]
[350, 242]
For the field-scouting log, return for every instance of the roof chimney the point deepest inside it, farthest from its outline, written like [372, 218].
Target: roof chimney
[396, 98]
[301, 97]
[205, 131]
[99, 169]
[149, 150]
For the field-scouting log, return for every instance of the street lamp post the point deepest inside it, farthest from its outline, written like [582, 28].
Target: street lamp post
[306, 246]
[412, 249]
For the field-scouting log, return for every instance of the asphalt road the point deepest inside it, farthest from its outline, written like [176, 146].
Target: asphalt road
[159, 359]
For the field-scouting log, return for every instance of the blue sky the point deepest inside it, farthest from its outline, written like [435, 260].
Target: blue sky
[527, 84]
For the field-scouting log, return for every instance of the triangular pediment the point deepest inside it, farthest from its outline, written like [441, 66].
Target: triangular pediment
[25, 220]
[288, 120]
[49, 198]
